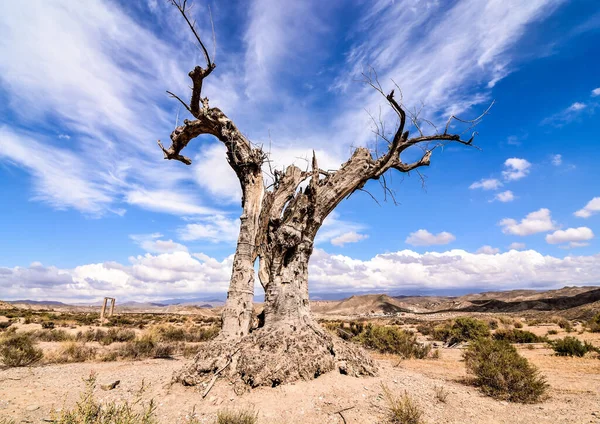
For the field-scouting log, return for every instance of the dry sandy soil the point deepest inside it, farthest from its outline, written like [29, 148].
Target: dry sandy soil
[29, 394]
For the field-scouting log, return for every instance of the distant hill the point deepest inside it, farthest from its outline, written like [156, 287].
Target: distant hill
[50, 303]
[579, 301]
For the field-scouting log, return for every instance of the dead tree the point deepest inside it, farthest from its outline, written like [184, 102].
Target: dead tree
[278, 228]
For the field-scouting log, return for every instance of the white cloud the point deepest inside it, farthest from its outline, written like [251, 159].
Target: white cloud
[535, 222]
[152, 243]
[216, 229]
[486, 184]
[556, 160]
[517, 246]
[335, 227]
[214, 174]
[488, 250]
[596, 92]
[453, 269]
[425, 238]
[181, 274]
[592, 207]
[505, 196]
[516, 169]
[576, 235]
[350, 237]
[577, 106]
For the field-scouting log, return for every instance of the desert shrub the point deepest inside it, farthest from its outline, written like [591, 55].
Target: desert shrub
[90, 411]
[19, 350]
[164, 350]
[241, 416]
[392, 340]
[114, 335]
[90, 335]
[518, 324]
[492, 324]
[48, 325]
[402, 410]
[73, 352]
[571, 346]
[500, 372]
[6, 421]
[138, 349]
[552, 332]
[55, 335]
[565, 325]
[145, 347]
[462, 330]
[441, 394]
[4, 325]
[518, 336]
[594, 324]
[189, 351]
[170, 333]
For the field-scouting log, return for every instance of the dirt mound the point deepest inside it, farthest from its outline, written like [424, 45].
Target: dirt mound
[4, 305]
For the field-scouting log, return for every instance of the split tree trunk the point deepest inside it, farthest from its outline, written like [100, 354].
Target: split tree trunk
[278, 226]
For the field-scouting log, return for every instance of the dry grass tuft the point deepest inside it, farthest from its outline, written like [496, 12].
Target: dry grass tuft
[402, 410]
[19, 350]
[240, 416]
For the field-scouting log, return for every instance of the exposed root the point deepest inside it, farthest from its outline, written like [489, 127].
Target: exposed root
[270, 357]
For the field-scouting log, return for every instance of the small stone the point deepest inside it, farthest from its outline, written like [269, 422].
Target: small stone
[32, 408]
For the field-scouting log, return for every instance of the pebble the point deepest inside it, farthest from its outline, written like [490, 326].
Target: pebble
[31, 408]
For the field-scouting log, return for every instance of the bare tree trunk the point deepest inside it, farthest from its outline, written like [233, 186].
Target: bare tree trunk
[236, 318]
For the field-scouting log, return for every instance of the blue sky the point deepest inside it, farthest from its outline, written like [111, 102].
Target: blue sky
[91, 209]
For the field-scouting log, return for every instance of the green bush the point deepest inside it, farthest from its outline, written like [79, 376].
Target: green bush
[518, 324]
[571, 346]
[392, 340]
[518, 336]
[114, 335]
[461, 330]
[18, 350]
[500, 372]
[552, 332]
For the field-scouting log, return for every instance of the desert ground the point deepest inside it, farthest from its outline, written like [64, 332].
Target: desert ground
[438, 384]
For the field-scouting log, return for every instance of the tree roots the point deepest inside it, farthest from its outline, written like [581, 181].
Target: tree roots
[274, 356]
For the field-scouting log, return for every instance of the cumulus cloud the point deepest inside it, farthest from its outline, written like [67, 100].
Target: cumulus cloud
[425, 238]
[486, 184]
[152, 243]
[535, 222]
[216, 229]
[556, 160]
[181, 274]
[454, 269]
[596, 92]
[575, 236]
[592, 207]
[336, 228]
[517, 246]
[505, 196]
[488, 250]
[515, 169]
[350, 237]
